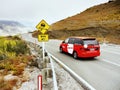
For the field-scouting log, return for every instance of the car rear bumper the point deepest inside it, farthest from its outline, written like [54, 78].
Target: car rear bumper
[89, 54]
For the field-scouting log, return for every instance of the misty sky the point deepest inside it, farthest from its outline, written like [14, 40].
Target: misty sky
[33, 11]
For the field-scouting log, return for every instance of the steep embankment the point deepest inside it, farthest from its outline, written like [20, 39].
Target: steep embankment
[101, 21]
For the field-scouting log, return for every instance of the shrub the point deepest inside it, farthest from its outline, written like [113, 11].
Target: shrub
[12, 46]
[2, 56]
[21, 48]
[2, 66]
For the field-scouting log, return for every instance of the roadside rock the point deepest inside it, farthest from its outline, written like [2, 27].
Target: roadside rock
[10, 77]
[31, 83]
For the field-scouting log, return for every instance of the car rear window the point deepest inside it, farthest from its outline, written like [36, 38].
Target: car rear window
[78, 41]
[90, 41]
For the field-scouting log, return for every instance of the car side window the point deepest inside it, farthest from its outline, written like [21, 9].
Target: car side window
[71, 41]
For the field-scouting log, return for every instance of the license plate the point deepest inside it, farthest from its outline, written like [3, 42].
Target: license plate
[92, 49]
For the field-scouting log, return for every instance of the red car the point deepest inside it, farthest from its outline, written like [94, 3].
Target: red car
[83, 47]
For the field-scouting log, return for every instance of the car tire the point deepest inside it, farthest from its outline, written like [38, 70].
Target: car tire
[75, 55]
[61, 50]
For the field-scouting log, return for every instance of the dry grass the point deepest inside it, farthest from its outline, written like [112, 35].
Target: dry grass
[105, 15]
[14, 57]
[7, 85]
[14, 66]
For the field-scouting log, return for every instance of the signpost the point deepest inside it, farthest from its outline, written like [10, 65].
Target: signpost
[43, 37]
[43, 28]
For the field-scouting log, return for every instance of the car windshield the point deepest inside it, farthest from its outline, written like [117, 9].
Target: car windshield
[90, 42]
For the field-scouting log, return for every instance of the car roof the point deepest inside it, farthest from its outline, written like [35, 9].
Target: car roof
[82, 37]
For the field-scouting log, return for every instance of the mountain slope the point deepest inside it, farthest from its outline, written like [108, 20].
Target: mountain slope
[10, 23]
[101, 21]
[12, 28]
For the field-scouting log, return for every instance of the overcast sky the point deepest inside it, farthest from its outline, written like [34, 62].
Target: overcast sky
[33, 11]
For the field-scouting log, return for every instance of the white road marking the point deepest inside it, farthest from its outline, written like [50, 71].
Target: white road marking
[111, 62]
[110, 52]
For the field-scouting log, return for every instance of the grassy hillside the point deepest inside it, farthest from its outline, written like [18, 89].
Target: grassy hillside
[101, 21]
[105, 15]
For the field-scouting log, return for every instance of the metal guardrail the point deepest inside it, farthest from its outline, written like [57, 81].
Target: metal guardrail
[83, 83]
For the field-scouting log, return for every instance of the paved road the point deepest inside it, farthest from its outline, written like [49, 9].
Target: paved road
[103, 72]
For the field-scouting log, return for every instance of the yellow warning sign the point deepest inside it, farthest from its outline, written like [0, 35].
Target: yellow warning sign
[43, 31]
[43, 26]
[43, 38]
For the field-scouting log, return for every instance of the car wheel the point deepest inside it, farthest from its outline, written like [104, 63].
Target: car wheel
[61, 51]
[75, 55]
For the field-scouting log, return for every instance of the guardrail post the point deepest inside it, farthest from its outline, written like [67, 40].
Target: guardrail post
[44, 76]
[49, 73]
[46, 72]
